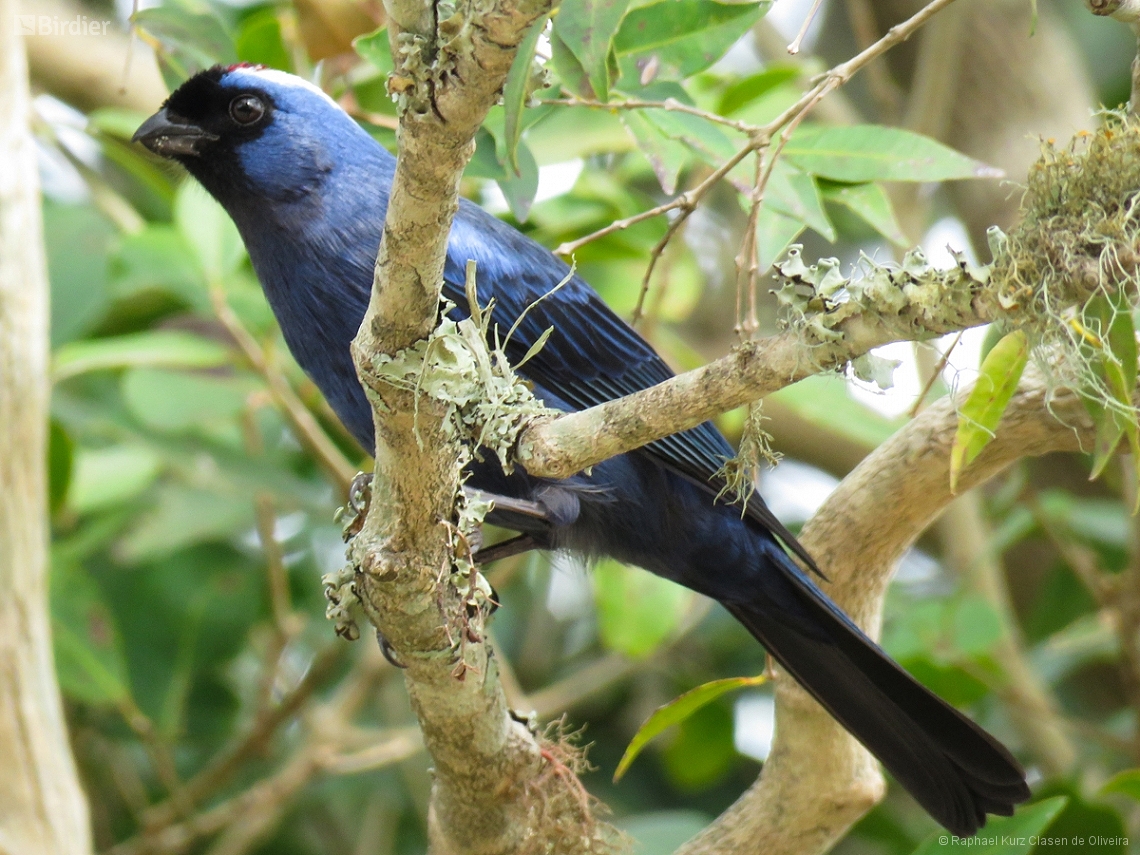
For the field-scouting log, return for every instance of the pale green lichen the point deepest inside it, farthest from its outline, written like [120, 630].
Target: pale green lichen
[485, 407]
[343, 603]
[911, 300]
[1077, 240]
[740, 472]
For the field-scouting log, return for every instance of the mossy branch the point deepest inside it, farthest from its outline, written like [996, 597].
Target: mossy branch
[499, 787]
[1079, 236]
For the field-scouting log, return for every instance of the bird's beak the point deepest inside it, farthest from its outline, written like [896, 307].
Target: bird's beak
[171, 136]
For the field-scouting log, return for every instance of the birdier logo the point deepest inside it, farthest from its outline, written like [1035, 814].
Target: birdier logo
[53, 25]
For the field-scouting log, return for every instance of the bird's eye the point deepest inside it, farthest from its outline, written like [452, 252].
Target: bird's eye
[246, 109]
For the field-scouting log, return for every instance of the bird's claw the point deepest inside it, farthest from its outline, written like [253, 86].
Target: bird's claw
[387, 652]
[356, 506]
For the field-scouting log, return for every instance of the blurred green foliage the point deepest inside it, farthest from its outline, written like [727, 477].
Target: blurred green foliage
[192, 519]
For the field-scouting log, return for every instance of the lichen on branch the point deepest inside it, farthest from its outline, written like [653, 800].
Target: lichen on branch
[1077, 241]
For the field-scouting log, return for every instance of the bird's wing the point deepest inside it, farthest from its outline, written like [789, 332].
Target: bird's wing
[592, 356]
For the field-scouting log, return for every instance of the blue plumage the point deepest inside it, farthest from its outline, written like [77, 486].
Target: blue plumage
[308, 191]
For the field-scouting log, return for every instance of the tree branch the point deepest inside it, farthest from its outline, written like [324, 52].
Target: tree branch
[557, 448]
[496, 787]
[818, 780]
[42, 807]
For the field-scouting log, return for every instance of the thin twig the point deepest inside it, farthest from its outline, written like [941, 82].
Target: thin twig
[308, 431]
[161, 755]
[794, 47]
[935, 373]
[825, 83]
[279, 598]
[223, 766]
[671, 104]
[654, 257]
[746, 260]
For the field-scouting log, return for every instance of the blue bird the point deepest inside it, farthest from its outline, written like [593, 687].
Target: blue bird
[308, 190]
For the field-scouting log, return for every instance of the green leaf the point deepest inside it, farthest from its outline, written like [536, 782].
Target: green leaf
[674, 39]
[376, 49]
[152, 348]
[175, 401]
[743, 92]
[1014, 835]
[976, 626]
[1110, 335]
[662, 832]
[825, 401]
[871, 204]
[677, 710]
[77, 238]
[569, 71]
[795, 194]
[259, 40]
[109, 476]
[519, 190]
[587, 28]
[666, 156]
[705, 139]
[209, 231]
[1126, 783]
[190, 38]
[61, 452]
[121, 122]
[182, 516]
[1083, 827]
[861, 153]
[637, 611]
[702, 751]
[517, 90]
[980, 414]
[775, 232]
[158, 257]
[1059, 599]
[89, 658]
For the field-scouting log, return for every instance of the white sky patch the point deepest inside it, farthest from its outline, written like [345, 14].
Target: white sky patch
[569, 595]
[916, 568]
[795, 490]
[553, 180]
[787, 16]
[754, 724]
[742, 58]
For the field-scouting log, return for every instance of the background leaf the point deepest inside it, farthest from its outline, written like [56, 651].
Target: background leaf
[876, 153]
[679, 709]
[587, 28]
[680, 37]
[979, 416]
[151, 348]
[637, 611]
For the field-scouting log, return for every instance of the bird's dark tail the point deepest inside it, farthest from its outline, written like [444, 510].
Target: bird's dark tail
[952, 767]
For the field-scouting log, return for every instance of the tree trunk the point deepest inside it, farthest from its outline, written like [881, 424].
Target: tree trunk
[42, 808]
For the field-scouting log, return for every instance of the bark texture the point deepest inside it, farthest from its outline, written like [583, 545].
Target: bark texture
[498, 788]
[42, 807]
[818, 780]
